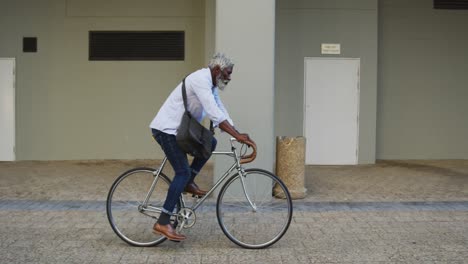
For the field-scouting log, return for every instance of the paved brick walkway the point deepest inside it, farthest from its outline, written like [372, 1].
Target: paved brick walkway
[391, 212]
[210, 206]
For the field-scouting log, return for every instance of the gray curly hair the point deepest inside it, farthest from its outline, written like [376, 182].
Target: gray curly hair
[221, 60]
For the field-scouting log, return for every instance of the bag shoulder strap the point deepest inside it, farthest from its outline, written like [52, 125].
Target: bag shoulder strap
[184, 96]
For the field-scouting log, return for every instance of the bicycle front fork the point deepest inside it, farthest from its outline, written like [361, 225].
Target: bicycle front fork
[244, 188]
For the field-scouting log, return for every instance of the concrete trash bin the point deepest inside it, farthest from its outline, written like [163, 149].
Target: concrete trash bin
[290, 165]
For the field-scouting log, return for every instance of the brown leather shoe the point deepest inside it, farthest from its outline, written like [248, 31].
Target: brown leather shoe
[168, 231]
[194, 189]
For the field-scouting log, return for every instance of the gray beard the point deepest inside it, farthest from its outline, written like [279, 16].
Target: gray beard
[221, 84]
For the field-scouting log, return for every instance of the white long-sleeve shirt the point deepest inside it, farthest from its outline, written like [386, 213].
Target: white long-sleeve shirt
[202, 100]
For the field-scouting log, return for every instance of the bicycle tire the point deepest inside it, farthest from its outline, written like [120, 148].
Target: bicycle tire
[237, 219]
[126, 194]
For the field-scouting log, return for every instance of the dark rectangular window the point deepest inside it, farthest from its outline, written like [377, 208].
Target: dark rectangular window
[137, 45]
[451, 4]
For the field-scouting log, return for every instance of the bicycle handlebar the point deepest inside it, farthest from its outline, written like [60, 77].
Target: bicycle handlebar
[247, 158]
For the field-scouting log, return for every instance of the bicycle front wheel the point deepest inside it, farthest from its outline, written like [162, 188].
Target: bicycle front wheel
[264, 219]
[130, 218]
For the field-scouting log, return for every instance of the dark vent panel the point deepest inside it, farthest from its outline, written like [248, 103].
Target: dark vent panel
[137, 45]
[451, 4]
[29, 44]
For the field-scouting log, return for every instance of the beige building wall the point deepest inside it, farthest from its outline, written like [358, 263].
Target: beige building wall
[70, 108]
[423, 81]
[301, 27]
[248, 36]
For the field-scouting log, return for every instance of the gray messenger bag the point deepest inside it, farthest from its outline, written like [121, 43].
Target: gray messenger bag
[192, 137]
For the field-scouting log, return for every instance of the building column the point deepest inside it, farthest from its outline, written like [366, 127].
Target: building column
[245, 31]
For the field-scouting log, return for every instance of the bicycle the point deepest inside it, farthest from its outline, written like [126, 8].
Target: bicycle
[253, 208]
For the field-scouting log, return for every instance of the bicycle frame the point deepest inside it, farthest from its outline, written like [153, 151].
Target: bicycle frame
[236, 165]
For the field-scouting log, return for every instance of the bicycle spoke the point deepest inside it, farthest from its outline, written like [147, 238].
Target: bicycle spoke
[254, 228]
[124, 206]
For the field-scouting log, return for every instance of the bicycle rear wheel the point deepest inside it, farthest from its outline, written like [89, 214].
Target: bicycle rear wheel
[127, 217]
[260, 227]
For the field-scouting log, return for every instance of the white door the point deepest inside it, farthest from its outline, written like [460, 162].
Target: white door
[7, 109]
[331, 113]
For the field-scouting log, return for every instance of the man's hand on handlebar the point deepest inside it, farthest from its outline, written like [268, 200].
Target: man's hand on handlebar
[252, 155]
[244, 138]
[241, 137]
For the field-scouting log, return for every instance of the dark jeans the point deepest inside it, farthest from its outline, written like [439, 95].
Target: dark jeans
[184, 173]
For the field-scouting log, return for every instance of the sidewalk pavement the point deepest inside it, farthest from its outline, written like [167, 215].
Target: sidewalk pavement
[390, 212]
